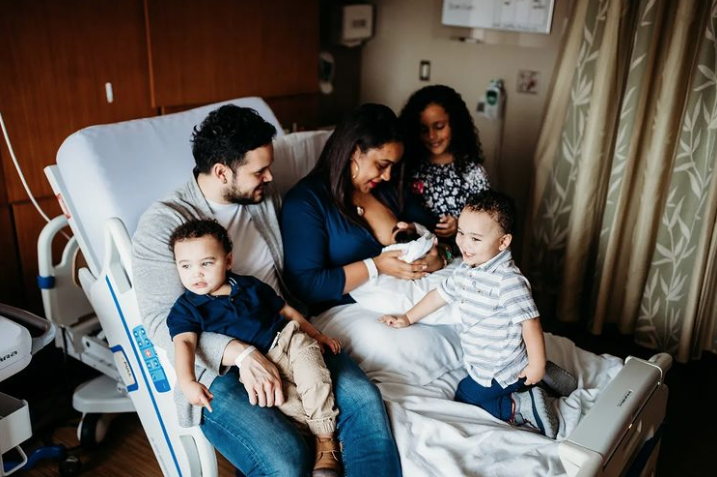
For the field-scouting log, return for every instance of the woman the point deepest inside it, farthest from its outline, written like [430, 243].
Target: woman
[443, 156]
[336, 220]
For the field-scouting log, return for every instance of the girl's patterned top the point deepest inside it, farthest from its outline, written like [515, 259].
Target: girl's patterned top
[443, 191]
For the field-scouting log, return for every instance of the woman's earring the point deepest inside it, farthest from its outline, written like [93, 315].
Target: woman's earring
[355, 174]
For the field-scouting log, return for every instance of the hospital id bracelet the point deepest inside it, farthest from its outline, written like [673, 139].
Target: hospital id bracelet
[243, 355]
[371, 267]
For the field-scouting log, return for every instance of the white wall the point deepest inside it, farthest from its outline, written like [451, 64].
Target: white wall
[408, 31]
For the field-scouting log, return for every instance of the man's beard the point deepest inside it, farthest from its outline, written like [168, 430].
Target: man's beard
[236, 196]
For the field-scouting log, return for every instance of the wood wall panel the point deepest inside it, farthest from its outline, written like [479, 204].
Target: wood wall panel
[55, 58]
[28, 225]
[11, 283]
[204, 52]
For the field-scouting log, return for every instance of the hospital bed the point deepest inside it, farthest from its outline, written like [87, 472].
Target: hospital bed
[106, 176]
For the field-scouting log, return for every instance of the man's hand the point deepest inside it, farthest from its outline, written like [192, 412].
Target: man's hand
[197, 394]
[332, 343]
[447, 226]
[532, 373]
[261, 380]
[395, 321]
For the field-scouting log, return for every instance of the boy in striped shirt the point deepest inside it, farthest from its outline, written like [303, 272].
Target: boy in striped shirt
[502, 340]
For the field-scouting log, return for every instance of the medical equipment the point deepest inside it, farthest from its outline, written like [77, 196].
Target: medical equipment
[106, 176]
[16, 349]
[492, 105]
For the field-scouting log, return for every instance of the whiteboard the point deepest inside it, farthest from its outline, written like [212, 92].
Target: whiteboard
[533, 16]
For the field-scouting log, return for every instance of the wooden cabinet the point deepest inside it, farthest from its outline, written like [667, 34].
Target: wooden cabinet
[203, 52]
[11, 285]
[55, 59]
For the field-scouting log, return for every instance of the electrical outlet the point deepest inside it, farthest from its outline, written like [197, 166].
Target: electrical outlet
[528, 81]
[424, 70]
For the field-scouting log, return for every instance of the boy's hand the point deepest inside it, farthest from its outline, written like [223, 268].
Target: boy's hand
[395, 321]
[532, 373]
[333, 344]
[197, 394]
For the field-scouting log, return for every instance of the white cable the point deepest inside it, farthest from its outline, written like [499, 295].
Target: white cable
[19, 171]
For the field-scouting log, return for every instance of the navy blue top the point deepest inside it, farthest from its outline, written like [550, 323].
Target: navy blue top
[250, 313]
[319, 240]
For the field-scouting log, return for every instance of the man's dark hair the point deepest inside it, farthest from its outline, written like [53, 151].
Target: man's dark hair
[226, 135]
[499, 206]
[198, 228]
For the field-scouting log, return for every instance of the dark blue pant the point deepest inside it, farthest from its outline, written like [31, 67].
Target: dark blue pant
[495, 399]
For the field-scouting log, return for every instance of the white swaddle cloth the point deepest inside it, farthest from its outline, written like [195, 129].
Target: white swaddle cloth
[414, 249]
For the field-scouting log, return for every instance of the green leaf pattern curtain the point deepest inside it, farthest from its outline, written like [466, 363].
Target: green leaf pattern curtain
[621, 226]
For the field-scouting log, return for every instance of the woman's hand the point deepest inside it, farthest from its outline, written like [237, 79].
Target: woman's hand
[434, 259]
[447, 226]
[332, 343]
[390, 263]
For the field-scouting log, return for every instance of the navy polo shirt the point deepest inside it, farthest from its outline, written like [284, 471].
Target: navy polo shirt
[250, 313]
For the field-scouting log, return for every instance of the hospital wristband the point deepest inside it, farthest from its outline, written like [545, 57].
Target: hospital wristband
[243, 355]
[371, 267]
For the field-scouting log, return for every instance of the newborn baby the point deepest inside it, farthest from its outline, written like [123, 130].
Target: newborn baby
[414, 243]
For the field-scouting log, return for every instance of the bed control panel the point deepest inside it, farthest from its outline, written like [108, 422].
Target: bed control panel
[151, 360]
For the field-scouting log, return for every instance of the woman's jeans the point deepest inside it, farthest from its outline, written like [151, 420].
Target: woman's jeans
[262, 441]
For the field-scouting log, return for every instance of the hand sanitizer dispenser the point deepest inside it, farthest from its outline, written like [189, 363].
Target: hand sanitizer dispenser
[493, 102]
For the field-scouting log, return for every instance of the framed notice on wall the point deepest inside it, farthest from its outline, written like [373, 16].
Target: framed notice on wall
[532, 16]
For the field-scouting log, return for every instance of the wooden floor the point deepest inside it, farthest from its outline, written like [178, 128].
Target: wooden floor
[125, 452]
[688, 444]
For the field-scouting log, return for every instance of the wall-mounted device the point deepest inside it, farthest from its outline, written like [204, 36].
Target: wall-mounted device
[353, 24]
[424, 70]
[493, 103]
[327, 66]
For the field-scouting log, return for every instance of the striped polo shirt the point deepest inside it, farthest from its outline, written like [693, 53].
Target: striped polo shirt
[494, 298]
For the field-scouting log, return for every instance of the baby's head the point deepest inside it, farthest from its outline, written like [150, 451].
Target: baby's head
[485, 226]
[202, 251]
[404, 235]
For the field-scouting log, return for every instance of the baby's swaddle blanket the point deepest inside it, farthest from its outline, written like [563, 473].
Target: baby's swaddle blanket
[414, 249]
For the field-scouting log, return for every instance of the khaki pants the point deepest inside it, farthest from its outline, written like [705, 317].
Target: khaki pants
[306, 380]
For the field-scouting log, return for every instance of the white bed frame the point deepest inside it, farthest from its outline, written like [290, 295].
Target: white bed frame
[103, 214]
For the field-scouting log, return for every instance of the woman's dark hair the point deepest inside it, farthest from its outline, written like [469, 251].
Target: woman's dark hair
[198, 228]
[370, 126]
[226, 135]
[465, 145]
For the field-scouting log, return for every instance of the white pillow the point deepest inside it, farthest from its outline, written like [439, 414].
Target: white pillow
[415, 355]
[295, 155]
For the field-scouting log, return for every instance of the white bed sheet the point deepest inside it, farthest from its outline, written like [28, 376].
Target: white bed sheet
[418, 369]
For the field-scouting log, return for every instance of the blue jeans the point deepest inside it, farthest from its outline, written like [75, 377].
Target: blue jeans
[495, 399]
[262, 441]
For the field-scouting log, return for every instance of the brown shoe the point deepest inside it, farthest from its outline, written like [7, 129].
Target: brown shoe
[328, 458]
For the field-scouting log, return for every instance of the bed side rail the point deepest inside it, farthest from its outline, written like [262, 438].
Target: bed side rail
[146, 372]
[628, 413]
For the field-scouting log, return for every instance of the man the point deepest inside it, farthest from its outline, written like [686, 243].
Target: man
[232, 183]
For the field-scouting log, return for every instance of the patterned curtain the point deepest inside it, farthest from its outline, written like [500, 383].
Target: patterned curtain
[622, 227]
